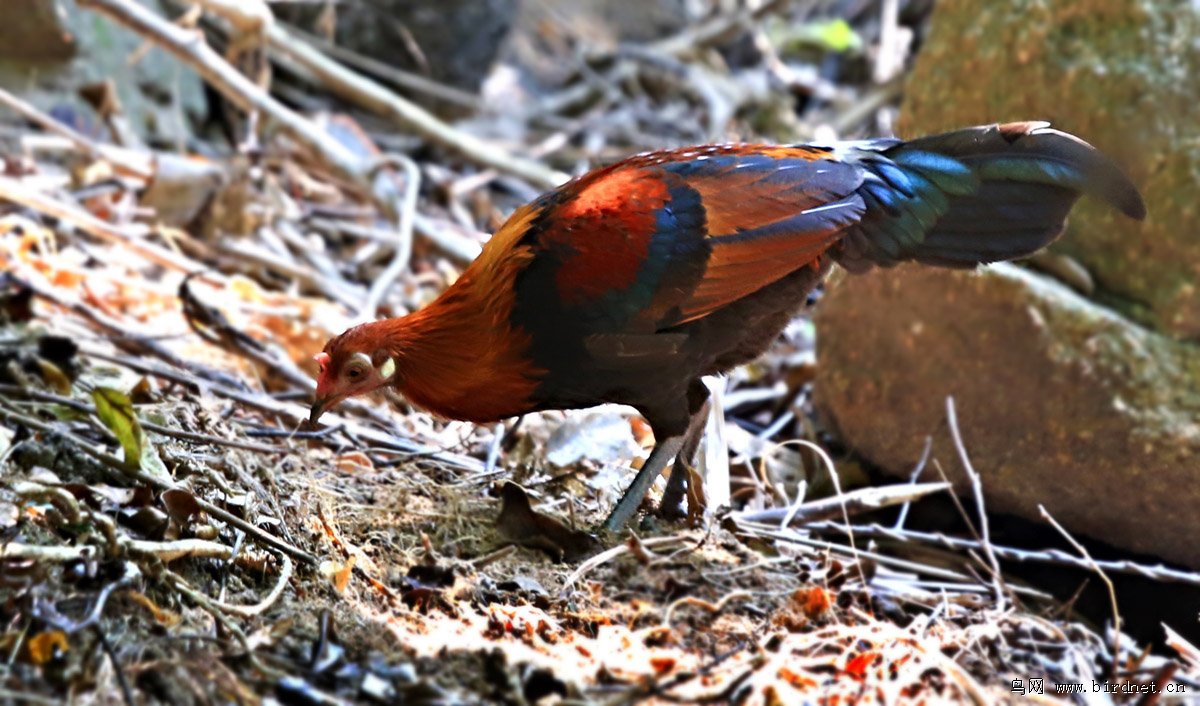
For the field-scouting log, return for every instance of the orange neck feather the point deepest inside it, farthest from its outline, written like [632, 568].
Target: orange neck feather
[461, 357]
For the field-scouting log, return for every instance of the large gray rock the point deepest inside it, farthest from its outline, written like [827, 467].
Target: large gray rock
[1060, 401]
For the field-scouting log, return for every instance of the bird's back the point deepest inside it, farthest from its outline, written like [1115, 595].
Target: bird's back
[639, 277]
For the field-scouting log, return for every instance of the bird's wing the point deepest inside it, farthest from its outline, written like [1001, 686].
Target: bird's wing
[670, 237]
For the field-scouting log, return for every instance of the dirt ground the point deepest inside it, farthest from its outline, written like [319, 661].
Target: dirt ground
[172, 531]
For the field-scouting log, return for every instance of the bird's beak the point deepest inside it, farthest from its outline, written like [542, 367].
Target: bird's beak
[318, 408]
[322, 402]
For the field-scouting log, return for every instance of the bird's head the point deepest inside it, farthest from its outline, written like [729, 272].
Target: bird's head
[352, 364]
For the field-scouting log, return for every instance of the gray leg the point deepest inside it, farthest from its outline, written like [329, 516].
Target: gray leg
[672, 500]
[627, 507]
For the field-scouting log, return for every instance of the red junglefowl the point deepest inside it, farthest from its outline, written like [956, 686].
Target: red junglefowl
[631, 282]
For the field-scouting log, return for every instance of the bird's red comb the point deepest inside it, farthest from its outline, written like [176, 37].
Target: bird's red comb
[322, 359]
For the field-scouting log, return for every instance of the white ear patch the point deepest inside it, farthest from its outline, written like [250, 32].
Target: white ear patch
[387, 368]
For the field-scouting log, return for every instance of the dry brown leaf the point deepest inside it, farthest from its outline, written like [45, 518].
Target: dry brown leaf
[520, 525]
[181, 505]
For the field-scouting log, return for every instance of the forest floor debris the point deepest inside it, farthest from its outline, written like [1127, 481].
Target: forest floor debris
[170, 530]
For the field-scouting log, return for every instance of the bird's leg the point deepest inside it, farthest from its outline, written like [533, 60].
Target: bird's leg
[654, 465]
[672, 499]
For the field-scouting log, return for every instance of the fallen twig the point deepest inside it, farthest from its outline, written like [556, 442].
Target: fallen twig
[713, 30]
[792, 536]
[1112, 591]
[404, 230]
[219, 614]
[190, 48]
[977, 490]
[250, 611]
[1157, 572]
[854, 502]
[912, 479]
[399, 77]
[623, 548]
[130, 162]
[132, 237]
[119, 470]
[712, 608]
[369, 94]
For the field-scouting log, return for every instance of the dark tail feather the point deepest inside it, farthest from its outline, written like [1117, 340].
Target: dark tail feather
[980, 195]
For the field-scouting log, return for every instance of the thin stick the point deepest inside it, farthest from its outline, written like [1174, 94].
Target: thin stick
[1112, 591]
[132, 163]
[713, 608]
[208, 605]
[250, 611]
[840, 498]
[17, 192]
[977, 490]
[122, 682]
[15, 391]
[897, 563]
[1157, 572]
[491, 557]
[463, 246]
[712, 30]
[853, 502]
[404, 233]
[399, 77]
[362, 91]
[166, 552]
[294, 414]
[47, 553]
[249, 254]
[912, 479]
[118, 469]
[190, 48]
[623, 548]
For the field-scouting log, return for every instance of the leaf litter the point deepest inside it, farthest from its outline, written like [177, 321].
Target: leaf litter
[171, 531]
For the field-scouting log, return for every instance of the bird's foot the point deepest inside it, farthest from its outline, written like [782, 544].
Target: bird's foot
[628, 506]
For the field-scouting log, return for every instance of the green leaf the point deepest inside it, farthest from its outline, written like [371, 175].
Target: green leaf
[833, 35]
[116, 411]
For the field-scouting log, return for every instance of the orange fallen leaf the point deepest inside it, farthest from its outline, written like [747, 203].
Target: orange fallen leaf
[857, 667]
[796, 679]
[46, 646]
[339, 574]
[161, 615]
[815, 601]
[354, 462]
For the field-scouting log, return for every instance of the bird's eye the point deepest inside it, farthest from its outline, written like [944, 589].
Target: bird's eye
[354, 373]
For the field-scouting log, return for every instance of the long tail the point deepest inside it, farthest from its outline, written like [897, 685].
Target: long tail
[977, 195]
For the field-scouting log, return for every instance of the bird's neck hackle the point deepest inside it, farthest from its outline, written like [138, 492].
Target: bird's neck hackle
[432, 345]
[460, 357]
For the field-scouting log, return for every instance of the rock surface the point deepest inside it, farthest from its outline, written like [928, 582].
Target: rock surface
[1088, 406]
[1122, 74]
[78, 47]
[34, 30]
[451, 41]
[1060, 402]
